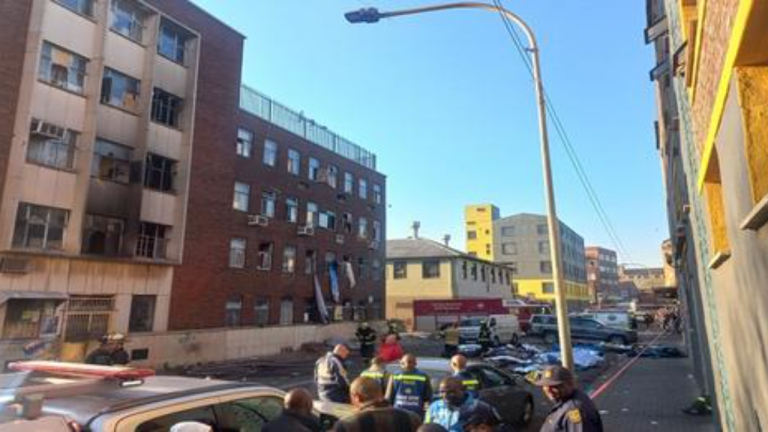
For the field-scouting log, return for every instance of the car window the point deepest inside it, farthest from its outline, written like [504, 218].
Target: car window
[491, 378]
[163, 424]
[247, 415]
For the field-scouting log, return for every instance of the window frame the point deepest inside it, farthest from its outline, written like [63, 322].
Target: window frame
[118, 169]
[26, 241]
[269, 156]
[241, 198]
[132, 88]
[238, 247]
[80, 9]
[400, 270]
[426, 265]
[268, 204]
[90, 226]
[294, 162]
[289, 259]
[166, 108]
[76, 68]
[52, 152]
[133, 14]
[244, 143]
[151, 314]
[159, 173]
[180, 38]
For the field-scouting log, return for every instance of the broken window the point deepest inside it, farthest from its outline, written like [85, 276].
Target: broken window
[312, 214]
[159, 172]
[39, 227]
[62, 68]
[310, 262]
[294, 162]
[51, 145]
[430, 269]
[29, 318]
[333, 176]
[111, 162]
[103, 235]
[347, 223]
[120, 90]
[127, 19]
[328, 220]
[172, 41]
[314, 169]
[166, 108]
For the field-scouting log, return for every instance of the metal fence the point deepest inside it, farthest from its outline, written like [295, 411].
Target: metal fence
[87, 318]
[262, 106]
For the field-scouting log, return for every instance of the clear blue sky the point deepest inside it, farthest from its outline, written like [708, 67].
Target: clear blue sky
[447, 105]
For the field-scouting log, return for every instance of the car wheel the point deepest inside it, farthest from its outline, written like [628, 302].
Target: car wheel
[617, 340]
[522, 409]
[550, 338]
[515, 339]
[527, 414]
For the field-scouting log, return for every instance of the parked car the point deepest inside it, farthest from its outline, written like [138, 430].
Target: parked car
[545, 326]
[498, 388]
[504, 328]
[102, 401]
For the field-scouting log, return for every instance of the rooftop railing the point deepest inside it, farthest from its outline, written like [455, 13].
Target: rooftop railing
[278, 114]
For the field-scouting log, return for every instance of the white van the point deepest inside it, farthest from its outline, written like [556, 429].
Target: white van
[609, 318]
[504, 328]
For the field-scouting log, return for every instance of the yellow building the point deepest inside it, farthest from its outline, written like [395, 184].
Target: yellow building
[479, 227]
[421, 269]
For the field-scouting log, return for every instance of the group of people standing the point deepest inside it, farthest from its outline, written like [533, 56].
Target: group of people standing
[402, 400]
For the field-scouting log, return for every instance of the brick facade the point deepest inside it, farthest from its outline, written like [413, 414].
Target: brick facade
[204, 283]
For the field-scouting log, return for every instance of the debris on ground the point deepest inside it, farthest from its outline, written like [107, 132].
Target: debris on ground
[527, 358]
[662, 351]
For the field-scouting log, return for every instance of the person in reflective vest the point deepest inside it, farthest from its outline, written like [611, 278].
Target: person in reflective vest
[331, 375]
[378, 373]
[409, 389]
[459, 368]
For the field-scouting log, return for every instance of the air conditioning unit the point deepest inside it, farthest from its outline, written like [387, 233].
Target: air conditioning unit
[50, 130]
[306, 231]
[258, 220]
[15, 265]
[340, 239]
[373, 245]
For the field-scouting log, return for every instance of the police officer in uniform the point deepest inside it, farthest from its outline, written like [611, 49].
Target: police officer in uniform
[331, 375]
[574, 411]
[459, 368]
[378, 373]
[367, 337]
[410, 389]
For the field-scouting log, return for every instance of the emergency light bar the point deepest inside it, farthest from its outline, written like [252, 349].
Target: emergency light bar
[82, 370]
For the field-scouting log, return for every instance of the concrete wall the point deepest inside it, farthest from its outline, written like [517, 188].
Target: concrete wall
[198, 346]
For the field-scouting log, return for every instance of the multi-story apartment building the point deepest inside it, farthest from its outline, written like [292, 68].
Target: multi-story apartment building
[422, 269]
[99, 108]
[711, 78]
[285, 204]
[479, 221]
[602, 275]
[142, 192]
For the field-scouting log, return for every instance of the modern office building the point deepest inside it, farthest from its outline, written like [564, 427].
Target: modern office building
[422, 269]
[602, 275]
[144, 188]
[521, 242]
[479, 221]
[711, 81]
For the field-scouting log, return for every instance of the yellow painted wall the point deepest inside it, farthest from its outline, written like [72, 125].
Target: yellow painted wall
[535, 288]
[479, 219]
[402, 292]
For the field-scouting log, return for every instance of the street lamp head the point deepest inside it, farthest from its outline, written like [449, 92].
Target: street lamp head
[365, 15]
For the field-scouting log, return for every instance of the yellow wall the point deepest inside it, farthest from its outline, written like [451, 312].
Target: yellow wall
[402, 292]
[479, 219]
[535, 288]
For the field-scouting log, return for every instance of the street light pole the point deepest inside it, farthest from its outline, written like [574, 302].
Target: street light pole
[372, 15]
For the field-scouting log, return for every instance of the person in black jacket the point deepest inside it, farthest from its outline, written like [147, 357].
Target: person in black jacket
[297, 414]
[367, 337]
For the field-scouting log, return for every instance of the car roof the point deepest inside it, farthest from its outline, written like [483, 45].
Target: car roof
[109, 399]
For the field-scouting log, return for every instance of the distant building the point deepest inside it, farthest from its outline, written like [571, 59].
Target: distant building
[602, 275]
[521, 242]
[479, 221]
[422, 269]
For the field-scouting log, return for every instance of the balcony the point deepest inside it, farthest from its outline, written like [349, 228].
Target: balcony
[265, 108]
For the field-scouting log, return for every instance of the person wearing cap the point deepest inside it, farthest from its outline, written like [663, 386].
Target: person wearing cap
[110, 352]
[481, 417]
[459, 368]
[574, 411]
[377, 372]
[331, 375]
[447, 411]
[410, 389]
[367, 337]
